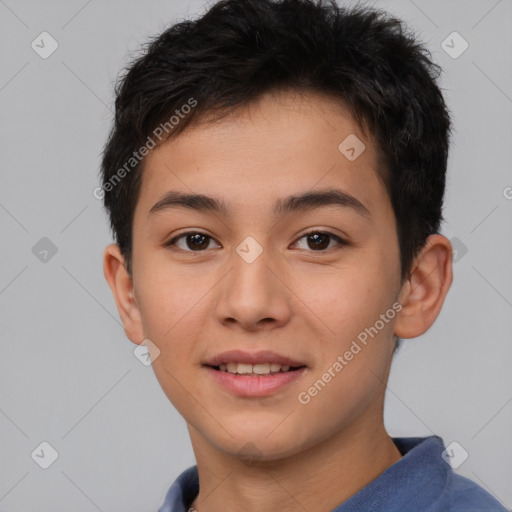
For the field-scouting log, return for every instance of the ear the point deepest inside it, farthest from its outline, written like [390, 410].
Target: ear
[121, 285]
[423, 294]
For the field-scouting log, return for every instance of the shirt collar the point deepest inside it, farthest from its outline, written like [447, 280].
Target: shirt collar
[421, 474]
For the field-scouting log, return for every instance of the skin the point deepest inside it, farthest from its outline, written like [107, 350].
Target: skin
[274, 453]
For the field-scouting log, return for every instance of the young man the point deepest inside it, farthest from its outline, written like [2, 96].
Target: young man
[275, 180]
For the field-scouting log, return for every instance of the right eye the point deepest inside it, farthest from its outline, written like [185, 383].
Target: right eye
[192, 241]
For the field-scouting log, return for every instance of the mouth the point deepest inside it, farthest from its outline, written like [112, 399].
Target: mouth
[257, 374]
[255, 370]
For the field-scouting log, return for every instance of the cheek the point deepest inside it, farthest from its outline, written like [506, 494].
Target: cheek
[170, 300]
[356, 306]
[350, 373]
[173, 318]
[352, 298]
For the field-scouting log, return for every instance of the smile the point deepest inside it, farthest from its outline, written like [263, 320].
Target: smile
[255, 369]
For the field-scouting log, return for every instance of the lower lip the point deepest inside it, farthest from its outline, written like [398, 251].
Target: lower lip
[254, 386]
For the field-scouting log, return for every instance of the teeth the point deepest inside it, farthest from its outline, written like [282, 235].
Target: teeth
[258, 369]
[261, 368]
[232, 367]
[244, 368]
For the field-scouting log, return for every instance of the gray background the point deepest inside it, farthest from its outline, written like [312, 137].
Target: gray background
[68, 375]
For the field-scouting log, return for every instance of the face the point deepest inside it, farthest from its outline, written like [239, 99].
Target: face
[291, 259]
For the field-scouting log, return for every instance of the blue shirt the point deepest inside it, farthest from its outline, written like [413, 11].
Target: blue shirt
[421, 481]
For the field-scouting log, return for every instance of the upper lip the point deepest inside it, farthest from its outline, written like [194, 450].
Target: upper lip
[262, 356]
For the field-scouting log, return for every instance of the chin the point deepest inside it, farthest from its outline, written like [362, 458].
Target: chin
[262, 447]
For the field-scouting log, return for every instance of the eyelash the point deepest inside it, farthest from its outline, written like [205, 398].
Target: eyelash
[172, 243]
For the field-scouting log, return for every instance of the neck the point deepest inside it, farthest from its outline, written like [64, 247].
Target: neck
[343, 464]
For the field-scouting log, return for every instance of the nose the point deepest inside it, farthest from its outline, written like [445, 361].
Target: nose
[254, 295]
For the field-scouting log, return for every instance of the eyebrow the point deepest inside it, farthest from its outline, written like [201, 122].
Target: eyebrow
[300, 202]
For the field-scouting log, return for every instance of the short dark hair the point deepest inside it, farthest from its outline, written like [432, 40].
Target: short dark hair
[240, 49]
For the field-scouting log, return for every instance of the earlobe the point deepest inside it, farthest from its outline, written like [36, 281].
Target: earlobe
[121, 286]
[423, 294]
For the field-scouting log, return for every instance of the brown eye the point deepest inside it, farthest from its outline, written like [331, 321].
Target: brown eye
[191, 242]
[197, 241]
[319, 240]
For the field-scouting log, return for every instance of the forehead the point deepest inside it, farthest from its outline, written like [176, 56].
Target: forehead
[280, 145]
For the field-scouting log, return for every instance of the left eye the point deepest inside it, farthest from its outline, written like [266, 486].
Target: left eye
[319, 240]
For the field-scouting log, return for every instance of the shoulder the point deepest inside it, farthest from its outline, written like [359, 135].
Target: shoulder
[464, 495]
[432, 482]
